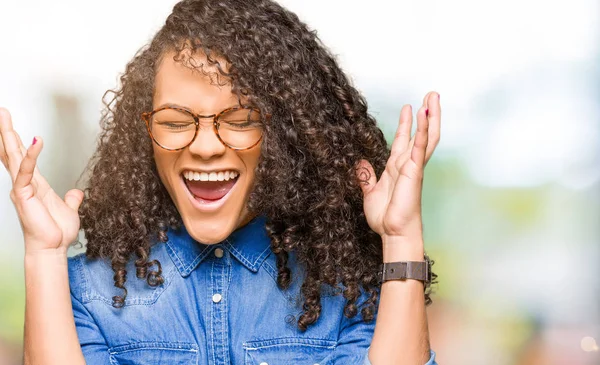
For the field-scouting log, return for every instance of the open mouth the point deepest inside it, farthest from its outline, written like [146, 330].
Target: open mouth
[206, 190]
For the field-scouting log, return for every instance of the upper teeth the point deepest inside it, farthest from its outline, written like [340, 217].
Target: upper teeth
[212, 176]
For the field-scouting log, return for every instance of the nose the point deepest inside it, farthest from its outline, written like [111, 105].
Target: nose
[207, 145]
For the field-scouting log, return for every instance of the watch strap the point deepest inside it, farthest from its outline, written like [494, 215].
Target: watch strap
[402, 270]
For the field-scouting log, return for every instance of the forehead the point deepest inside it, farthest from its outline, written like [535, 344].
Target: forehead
[192, 81]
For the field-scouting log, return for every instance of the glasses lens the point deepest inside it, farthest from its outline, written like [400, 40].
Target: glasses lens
[172, 128]
[240, 128]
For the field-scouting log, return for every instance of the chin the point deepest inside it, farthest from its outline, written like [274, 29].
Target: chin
[210, 231]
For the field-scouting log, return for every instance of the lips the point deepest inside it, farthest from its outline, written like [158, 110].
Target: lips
[210, 190]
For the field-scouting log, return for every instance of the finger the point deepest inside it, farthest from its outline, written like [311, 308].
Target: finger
[399, 162]
[25, 173]
[411, 143]
[38, 182]
[366, 176]
[73, 199]
[435, 117]
[421, 138]
[3, 114]
[426, 98]
[3, 154]
[10, 143]
[23, 152]
[402, 135]
[21, 145]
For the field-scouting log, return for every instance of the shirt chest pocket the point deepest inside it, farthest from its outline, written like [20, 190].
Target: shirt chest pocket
[285, 351]
[154, 353]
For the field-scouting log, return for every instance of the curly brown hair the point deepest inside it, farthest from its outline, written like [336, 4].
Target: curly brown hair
[306, 183]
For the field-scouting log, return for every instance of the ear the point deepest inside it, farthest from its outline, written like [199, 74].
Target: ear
[366, 176]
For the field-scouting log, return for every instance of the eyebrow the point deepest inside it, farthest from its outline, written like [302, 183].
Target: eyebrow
[189, 109]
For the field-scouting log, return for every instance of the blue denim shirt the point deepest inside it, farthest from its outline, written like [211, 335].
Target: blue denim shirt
[219, 304]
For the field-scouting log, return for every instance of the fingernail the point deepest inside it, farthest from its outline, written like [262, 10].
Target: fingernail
[34, 140]
[426, 112]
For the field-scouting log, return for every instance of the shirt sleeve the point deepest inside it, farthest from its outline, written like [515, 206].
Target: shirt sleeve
[354, 343]
[92, 342]
[355, 340]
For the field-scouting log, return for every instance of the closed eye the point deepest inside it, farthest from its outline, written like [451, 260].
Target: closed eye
[241, 124]
[174, 125]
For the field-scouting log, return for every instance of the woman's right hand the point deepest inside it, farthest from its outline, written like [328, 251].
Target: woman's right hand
[48, 222]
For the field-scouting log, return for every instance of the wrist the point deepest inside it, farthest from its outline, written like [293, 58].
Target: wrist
[49, 255]
[401, 248]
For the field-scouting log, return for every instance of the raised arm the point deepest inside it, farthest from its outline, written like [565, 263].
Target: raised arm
[49, 225]
[393, 209]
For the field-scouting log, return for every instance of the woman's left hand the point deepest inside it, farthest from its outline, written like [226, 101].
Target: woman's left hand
[392, 205]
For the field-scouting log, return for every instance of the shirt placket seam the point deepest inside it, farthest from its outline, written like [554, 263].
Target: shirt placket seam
[219, 333]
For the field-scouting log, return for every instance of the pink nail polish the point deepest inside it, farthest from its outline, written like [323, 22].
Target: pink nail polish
[426, 112]
[34, 140]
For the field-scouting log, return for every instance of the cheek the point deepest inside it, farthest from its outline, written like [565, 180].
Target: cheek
[162, 162]
[158, 160]
[252, 160]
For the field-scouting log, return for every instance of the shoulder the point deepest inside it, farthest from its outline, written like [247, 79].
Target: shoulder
[93, 279]
[333, 295]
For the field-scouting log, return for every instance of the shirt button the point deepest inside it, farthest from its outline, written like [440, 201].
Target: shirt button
[216, 298]
[264, 363]
[219, 252]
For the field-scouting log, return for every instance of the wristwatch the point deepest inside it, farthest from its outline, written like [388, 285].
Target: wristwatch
[402, 270]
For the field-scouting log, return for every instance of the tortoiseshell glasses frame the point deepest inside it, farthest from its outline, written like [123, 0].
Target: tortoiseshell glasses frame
[147, 117]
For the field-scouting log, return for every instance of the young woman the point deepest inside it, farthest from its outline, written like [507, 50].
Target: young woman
[240, 203]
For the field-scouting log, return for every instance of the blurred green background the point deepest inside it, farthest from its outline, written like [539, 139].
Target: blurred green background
[511, 206]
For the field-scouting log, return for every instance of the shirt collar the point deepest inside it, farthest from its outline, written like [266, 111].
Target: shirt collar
[249, 244]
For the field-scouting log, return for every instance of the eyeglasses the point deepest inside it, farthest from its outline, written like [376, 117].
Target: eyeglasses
[174, 128]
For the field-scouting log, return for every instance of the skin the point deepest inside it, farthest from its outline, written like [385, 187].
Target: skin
[392, 207]
[177, 84]
[50, 223]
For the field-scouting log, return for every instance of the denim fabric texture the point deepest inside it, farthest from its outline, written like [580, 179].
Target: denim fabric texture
[219, 304]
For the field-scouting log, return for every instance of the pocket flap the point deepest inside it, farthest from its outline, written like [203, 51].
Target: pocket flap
[154, 353]
[285, 351]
